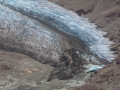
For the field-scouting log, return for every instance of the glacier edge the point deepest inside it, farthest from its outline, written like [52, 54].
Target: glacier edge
[66, 21]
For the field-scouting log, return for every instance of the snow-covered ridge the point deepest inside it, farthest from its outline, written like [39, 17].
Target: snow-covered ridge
[66, 21]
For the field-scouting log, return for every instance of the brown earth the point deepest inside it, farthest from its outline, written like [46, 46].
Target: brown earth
[106, 15]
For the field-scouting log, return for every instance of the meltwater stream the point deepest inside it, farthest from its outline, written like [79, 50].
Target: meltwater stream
[66, 21]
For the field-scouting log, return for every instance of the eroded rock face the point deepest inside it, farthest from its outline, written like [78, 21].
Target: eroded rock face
[70, 64]
[73, 62]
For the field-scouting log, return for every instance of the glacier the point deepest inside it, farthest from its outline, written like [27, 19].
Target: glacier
[24, 35]
[65, 21]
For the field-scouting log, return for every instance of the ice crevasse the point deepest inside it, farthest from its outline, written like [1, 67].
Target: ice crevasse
[66, 21]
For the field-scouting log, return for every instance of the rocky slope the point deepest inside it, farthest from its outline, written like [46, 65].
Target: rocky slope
[106, 15]
[56, 45]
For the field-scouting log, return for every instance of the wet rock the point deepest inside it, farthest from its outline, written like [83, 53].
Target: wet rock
[70, 64]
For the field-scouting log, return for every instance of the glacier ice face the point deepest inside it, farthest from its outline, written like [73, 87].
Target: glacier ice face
[66, 21]
[27, 35]
[92, 68]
